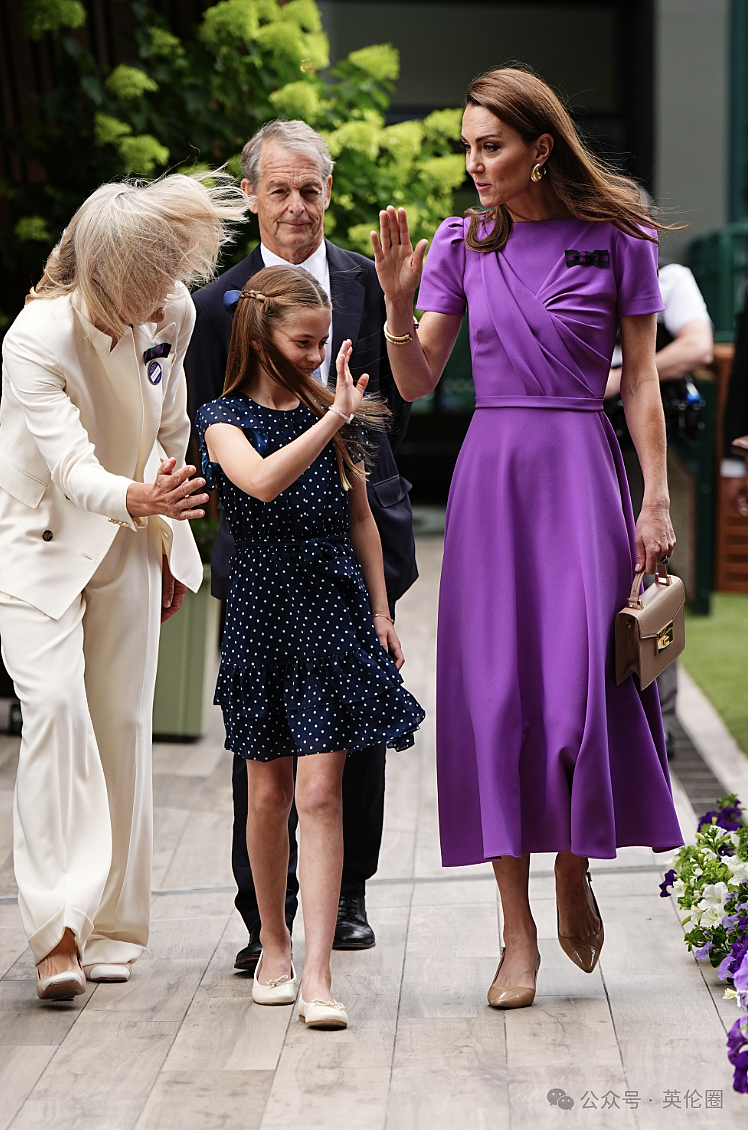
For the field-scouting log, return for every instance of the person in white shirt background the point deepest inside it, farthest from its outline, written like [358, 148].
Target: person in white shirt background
[94, 552]
[685, 321]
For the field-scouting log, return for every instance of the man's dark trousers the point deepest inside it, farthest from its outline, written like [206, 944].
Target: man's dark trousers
[358, 314]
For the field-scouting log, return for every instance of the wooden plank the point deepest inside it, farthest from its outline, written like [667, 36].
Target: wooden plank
[168, 826]
[451, 960]
[206, 1100]
[229, 1034]
[20, 1067]
[12, 945]
[158, 989]
[26, 1021]
[203, 856]
[449, 1072]
[100, 1077]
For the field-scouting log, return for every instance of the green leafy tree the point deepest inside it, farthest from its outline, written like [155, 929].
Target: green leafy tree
[181, 102]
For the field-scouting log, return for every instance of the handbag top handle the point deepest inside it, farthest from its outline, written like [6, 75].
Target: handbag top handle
[661, 578]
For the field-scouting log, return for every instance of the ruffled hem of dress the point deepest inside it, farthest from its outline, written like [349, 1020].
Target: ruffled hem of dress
[345, 700]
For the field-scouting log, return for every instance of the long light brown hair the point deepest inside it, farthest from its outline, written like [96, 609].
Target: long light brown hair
[269, 299]
[587, 187]
[131, 241]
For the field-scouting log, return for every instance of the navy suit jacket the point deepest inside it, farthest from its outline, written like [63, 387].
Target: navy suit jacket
[358, 314]
[735, 419]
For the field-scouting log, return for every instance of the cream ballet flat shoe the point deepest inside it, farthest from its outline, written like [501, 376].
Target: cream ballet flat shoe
[281, 990]
[61, 986]
[111, 974]
[323, 1014]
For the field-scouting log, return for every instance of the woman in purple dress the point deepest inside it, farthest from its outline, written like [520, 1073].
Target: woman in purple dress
[537, 748]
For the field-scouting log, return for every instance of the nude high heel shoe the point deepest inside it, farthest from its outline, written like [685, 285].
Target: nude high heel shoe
[584, 952]
[518, 996]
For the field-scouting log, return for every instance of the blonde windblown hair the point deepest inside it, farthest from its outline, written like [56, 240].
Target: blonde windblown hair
[130, 242]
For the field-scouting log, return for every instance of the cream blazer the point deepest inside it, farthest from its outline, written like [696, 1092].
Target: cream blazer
[80, 421]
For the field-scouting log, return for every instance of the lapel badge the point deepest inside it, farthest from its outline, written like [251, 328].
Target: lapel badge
[155, 371]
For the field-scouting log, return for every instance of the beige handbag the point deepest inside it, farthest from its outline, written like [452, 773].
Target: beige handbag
[651, 629]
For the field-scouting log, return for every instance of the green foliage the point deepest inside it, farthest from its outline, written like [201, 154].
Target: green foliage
[32, 228]
[41, 16]
[195, 101]
[130, 82]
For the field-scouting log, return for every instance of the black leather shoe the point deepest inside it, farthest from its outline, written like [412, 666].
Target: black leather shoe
[353, 931]
[247, 959]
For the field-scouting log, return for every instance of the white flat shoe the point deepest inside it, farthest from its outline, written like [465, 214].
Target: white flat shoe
[61, 986]
[107, 973]
[281, 990]
[323, 1014]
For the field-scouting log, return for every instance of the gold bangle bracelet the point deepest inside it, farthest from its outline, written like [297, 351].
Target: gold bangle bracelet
[398, 339]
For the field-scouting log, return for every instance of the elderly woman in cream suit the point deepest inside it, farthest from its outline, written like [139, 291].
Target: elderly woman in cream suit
[94, 552]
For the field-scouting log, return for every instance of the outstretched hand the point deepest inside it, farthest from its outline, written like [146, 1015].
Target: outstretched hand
[399, 267]
[348, 396]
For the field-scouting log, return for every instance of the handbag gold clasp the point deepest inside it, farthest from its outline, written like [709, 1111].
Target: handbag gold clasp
[665, 637]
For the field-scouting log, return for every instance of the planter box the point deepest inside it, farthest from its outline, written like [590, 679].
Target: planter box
[186, 675]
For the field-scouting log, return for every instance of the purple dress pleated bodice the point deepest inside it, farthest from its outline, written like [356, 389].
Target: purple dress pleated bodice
[537, 748]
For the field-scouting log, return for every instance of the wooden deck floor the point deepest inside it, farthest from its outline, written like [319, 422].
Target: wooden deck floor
[181, 1047]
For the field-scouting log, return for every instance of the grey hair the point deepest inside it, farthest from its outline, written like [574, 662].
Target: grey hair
[295, 136]
[130, 242]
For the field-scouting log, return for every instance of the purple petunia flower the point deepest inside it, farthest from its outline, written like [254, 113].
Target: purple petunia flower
[667, 882]
[704, 951]
[736, 958]
[740, 978]
[730, 818]
[737, 1053]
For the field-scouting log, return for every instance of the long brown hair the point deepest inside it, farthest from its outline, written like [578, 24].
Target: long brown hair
[268, 299]
[587, 187]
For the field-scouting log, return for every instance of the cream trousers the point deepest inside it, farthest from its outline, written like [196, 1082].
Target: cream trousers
[83, 809]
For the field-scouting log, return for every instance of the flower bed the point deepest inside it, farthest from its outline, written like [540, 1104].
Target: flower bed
[710, 882]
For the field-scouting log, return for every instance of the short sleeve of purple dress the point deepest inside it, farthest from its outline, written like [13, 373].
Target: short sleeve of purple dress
[537, 748]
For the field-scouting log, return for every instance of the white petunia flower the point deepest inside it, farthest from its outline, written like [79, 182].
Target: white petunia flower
[738, 868]
[712, 905]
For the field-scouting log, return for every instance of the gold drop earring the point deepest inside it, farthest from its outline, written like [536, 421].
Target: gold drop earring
[538, 172]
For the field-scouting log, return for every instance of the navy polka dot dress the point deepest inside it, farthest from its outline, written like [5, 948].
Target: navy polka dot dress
[302, 670]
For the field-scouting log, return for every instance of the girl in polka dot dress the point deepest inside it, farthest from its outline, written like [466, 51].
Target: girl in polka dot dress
[310, 658]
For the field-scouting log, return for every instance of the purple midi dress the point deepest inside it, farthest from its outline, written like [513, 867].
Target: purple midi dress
[537, 748]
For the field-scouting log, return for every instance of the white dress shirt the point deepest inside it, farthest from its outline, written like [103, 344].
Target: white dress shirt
[319, 269]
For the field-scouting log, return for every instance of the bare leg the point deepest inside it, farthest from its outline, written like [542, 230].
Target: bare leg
[576, 911]
[270, 795]
[319, 802]
[520, 932]
[62, 959]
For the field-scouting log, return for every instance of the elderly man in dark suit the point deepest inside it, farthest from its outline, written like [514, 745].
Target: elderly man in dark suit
[288, 178]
